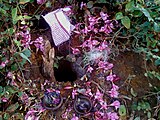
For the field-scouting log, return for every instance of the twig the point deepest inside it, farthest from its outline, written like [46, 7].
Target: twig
[20, 69]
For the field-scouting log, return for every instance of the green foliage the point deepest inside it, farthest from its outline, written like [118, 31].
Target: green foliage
[122, 110]
[12, 54]
[142, 21]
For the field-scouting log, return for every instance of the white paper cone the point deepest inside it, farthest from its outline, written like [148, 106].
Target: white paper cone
[60, 26]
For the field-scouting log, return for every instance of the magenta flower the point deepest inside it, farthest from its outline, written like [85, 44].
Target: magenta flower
[95, 42]
[104, 16]
[109, 66]
[115, 86]
[82, 5]
[90, 69]
[104, 105]
[38, 43]
[74, 93]
[75, 51]
[102, 64]
[112, 116]
[98, 96]
[3, 64]
[103, 46]
[116, 104]
[41, 1]
[4, 99]
[74, 117]
[31, 115]
[113, 93]
[88, 92]
[24, 98]
[26, 38]
[110, 77]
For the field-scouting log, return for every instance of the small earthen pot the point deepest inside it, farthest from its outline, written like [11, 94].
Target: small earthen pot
[52, 100]
[82, 105]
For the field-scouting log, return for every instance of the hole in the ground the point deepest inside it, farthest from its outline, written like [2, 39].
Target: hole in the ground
[65, 72]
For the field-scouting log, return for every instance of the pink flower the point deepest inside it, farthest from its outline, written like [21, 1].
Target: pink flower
[109, 66]
[90, 69]
[88, 92]
[116, 104]
[74, 117]
[112, 116]
[74, 93]
[41, 1]
[113, 93]
[98, 95]
[104, 105]
[115, 86]
[3, 64]
[103, 46]
[75, 51]
[4, 99]
[24, 98]
[31, 115]
[103, 16]
[65, 115]
[95, 42]
[82, 5]
[102, 64]
[110, 77]
[38, 43]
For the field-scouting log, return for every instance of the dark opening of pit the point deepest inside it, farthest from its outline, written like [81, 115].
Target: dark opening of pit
[65, 71]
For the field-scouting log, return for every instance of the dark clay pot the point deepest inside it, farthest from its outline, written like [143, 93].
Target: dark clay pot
[82, 105]
[52, 100]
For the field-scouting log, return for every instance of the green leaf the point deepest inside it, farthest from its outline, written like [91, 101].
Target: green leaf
[149, 114]
[1, 89]
[18, 116]
[14, 15]
[27, 52]
[23, 1]
[26, 17]
[119, 16]
[130, 6]
[90, 4]
[14, 67]
[11, 31]
[156, 27]
[155, 50]
[122, 110]
[145, 12]
[157, 62]
[12, 107]
[48, 4]
[6, 116]
[101, 1]
[10, 89]
[126, 21]
[137, 118]
[25, 57]
[133, 92]
[2, 11]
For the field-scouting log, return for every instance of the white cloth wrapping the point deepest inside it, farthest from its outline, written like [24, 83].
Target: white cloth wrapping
[60, 25]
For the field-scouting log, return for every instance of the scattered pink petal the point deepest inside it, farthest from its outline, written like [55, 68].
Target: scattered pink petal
[75, 51]
[74, 93]
[98, 95]
[116, 104]
[113, 93]
[41, 1]
[4, 99]
[74, 117]
[112, 116]
[90, 69]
